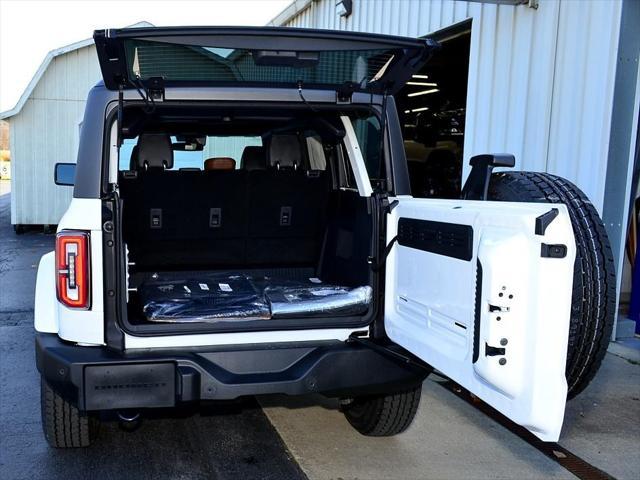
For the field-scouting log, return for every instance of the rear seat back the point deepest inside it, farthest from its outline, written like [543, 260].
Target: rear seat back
[286, 206]
[199, 219]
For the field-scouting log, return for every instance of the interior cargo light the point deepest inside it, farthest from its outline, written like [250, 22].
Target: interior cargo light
[423, 84]
[423, 92]
[417, 75]
[73, 273]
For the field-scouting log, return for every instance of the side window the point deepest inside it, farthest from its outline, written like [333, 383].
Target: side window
[125, 153]
[345, 178]
[368, 135]
[317, 158]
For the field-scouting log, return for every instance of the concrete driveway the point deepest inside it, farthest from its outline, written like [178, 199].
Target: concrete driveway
[453, 440]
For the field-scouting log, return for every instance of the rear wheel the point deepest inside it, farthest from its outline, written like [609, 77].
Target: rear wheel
[383, 415]
[63, 424]
[593, 301]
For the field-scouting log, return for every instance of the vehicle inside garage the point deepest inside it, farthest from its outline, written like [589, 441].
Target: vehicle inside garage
[432, 108]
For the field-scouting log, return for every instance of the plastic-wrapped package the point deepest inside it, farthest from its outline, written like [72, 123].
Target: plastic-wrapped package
[317, 300]
[207, 298]
[196, 297]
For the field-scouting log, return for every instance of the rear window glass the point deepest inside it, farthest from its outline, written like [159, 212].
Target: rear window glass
[175, 62]
[214, 147]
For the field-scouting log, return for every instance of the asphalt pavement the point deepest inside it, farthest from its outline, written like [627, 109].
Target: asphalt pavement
[221, 442]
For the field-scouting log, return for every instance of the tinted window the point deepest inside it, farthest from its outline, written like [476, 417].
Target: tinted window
[174, 62]
[368, 134]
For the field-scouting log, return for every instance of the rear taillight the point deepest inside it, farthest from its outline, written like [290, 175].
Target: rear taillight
[73, 273]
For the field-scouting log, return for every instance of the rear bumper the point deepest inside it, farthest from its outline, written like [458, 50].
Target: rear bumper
[96, 378]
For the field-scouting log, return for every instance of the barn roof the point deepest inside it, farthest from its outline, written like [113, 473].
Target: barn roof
[290, 11]
[45, 63]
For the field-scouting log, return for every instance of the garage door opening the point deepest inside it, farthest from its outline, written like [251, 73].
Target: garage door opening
[432, 108]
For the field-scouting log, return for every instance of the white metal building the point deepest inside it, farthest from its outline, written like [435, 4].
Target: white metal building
[44, 130]
[554, 82]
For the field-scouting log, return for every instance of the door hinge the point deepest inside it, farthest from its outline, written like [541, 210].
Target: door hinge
[344, 93]
[155, 89]
[385, 204]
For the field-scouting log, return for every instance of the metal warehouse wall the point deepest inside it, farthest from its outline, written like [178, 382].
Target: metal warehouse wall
[45, 132]
[540, 83]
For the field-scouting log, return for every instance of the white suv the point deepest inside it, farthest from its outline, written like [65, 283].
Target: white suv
[242, 224]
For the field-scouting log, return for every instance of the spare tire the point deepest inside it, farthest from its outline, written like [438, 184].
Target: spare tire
[593, 301]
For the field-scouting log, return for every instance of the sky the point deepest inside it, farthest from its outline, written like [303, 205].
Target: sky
[29, 29]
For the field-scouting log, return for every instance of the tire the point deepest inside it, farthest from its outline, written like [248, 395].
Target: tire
[383, 415]
[593, 301]
[63, 424]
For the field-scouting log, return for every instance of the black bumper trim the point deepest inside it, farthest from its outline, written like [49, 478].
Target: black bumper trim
[96, 378]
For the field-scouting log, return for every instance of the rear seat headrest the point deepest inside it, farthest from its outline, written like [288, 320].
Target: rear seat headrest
[254, 158]
[154, 151]
[285, 151]
[220, 163]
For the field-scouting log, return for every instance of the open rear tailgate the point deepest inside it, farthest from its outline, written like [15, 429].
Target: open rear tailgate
[259, 57]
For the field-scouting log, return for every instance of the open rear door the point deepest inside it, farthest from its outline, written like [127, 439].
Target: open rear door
[258, 57]
[482, 292]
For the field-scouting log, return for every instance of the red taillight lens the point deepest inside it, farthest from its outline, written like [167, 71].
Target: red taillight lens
[73, 274]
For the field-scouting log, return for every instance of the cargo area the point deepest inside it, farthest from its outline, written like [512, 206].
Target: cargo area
[255, 226]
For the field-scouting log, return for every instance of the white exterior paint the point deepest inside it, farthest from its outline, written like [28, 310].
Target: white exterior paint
[77, 325]
[540, 82]
[430, 306]
[45, 314]
[74, 325]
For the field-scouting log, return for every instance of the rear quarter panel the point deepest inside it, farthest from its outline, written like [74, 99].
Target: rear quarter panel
[46, 305]
[75, 325]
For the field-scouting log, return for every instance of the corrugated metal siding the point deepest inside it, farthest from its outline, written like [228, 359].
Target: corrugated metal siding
[540, 81]
[582, 106]
[46, 132]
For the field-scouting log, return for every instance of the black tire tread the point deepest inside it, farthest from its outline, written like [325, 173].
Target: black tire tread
[384, 415]
[594, 284]
[63, 424]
